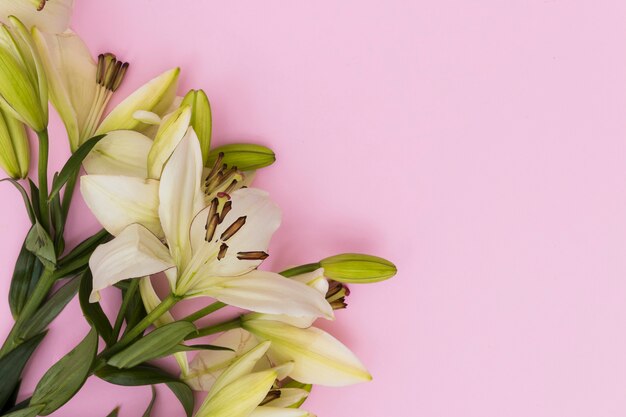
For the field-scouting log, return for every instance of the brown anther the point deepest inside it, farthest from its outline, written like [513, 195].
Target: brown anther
[119, 77]
[336, 294]
[222, 252]
[227, 207]
[213, 208]
[216, 167]
[233, 228]
[252, 256]
[271, 396]
[211, 225]
[41, 5]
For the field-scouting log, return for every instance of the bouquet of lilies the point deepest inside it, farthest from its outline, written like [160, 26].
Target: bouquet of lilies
[172, 208]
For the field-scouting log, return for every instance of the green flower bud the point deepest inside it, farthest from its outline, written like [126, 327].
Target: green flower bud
[244, 156]
[200, 119]
[357, 268]
[14, 149]
[23, 85]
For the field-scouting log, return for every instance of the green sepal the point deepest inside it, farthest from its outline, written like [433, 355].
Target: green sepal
[158, 343]
[244, 156]
[67, 376]
[149, 375]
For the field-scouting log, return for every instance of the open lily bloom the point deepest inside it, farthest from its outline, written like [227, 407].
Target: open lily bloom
[212, 251]
[80, 89]
[49, 16]
[240, 391]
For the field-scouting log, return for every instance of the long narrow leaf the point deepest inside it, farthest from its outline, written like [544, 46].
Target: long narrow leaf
[148, 411]
[25, 276]
[72, 166]
[92, 311]
[27, 203]
[12, 364]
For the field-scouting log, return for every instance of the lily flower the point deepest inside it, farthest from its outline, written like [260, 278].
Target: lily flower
[80, 89]
[212, 251]
[49, 16]
[23, 84]
[242, 392]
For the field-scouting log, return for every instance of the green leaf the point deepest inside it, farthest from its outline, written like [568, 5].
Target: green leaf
[149, 375]
[72, 166]
[245, 156]
[190, 348]
[148, 411]
[92, 311]
[10, 403]
[25, 412]
[29, 206]
[114, 412]
[158, 343]
[25, 277]
[78, 258]
[34, 197]
[38, 241]
[12, 364]
[50, 309]
[67, 376]
[58, 222]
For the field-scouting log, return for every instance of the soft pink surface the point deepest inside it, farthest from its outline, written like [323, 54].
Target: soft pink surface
[478, 144]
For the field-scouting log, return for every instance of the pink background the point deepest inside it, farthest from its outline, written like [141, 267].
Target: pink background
[480, 144]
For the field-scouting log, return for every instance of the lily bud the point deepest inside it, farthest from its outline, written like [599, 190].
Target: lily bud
[357, 268]
[23, 85]
[14, 149]
[156, 96]
[244, 156]
[200, 119]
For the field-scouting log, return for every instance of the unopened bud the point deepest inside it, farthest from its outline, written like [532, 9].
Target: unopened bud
[14, 149]
[357, 268]
[200, 119]
[244, 156]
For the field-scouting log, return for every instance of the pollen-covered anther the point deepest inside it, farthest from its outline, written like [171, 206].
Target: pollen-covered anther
[233, 228]
[252, 256]
[225, 210]
[336, 295]
[110, 72]
[211, 225]
[41, 5]
[222, 252]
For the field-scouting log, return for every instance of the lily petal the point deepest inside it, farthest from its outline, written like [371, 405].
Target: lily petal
[155, 96]
[289, 397]
[267, 411]
[319, 358]
[118, 201]
[121, 152]
[180, 196]
[266, 292]
[170, 133]
[71, 73]
[134, 253]
[54, 18]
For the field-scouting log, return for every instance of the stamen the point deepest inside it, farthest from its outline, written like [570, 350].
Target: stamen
[222, 252]
[233, 228]
[227, 207]
[215, 169]
[41, 5]
[211, 226]
[231, 187]
[252, 256]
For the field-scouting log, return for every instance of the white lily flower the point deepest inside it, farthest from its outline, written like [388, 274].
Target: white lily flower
[215, 251]
[49, 16]
[80, 89]
[318, 357]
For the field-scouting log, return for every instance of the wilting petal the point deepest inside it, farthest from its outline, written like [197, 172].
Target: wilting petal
[119, 201]
[266, 292]
[54, 18]
[267, 411]
[319, 358]
[155, 96]
[121, 152]
[134, 253]
[170, 133]
[207, 366]
[71, 74]
[180, 196]
[150, 301]
[239, 398]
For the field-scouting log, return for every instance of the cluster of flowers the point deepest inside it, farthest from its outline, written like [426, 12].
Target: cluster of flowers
[168, 203]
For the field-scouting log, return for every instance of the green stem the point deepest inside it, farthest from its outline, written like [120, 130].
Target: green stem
[216, 328]
[43, 178]
[167, 303]
[39, 294]
[132, 288]
[302, 269]
[211, 308]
